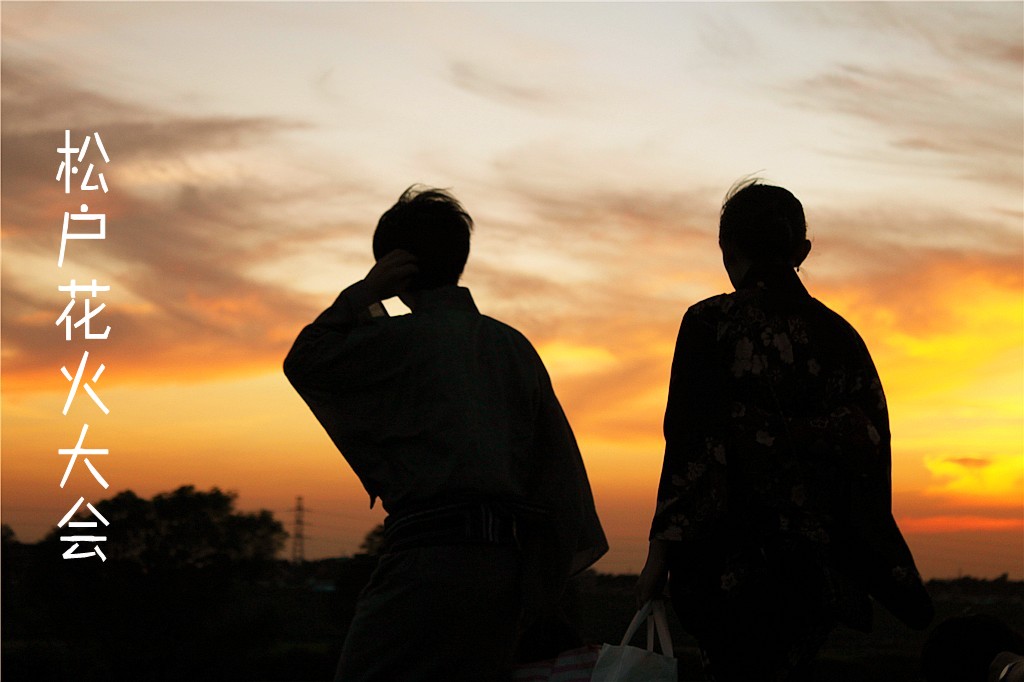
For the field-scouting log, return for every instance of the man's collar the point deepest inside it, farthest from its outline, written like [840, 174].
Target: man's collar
[450, 297]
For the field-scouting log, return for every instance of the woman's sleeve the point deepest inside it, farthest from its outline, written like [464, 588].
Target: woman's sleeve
[867, 395]
[692, 490]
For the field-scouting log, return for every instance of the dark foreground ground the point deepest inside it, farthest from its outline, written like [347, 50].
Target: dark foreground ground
[290, 627]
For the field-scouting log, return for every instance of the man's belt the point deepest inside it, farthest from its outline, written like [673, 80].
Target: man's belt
[455, 524]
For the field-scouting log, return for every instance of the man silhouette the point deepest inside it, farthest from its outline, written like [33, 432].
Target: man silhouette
[449, 417]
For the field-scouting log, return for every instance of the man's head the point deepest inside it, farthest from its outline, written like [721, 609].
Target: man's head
[432, 225]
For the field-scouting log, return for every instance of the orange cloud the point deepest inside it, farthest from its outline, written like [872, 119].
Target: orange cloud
[997, 477]
[953, 524]
[182, 305]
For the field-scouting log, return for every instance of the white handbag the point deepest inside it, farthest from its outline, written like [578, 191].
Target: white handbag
[625, 663]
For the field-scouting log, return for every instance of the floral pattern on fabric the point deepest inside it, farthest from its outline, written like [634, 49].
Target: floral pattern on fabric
[774, 407]
[772, 394]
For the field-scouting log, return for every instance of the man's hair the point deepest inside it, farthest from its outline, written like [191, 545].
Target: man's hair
[432, 225]
[762, 222]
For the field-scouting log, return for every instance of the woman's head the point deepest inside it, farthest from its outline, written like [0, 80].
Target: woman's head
[762, 225]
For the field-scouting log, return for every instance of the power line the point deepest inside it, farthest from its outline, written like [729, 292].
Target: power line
[298, 537]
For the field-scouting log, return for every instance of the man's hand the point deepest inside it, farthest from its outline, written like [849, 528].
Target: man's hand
[391, 275]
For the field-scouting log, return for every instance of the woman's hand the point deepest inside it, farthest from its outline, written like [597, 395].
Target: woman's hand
[654, 575]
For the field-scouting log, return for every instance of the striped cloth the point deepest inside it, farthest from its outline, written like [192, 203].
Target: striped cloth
[574, 665]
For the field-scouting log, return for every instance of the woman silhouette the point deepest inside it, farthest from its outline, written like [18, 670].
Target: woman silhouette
[776, 450]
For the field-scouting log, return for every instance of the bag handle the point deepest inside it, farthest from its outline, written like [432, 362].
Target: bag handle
[653, 612]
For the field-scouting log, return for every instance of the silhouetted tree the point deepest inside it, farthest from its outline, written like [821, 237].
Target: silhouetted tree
[373, 541]
[11, 554]
[188, 529]
[174, 598]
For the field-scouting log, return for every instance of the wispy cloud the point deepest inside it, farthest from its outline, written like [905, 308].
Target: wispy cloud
[927, 115]
[998, 477]
[960, 523]
[944, 104]
[507, 88]
[182, 303]
[970, 462]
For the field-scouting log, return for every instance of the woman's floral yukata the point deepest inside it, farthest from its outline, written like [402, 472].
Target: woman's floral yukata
[774, 406]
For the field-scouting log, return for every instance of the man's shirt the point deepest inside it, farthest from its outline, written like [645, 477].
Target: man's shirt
[442, 405]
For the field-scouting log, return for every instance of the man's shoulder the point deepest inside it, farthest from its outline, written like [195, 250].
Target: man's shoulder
[510, 340]
[505, 329]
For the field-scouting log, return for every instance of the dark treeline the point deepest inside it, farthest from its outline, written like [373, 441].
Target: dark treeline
[193, 590]
[174, 595]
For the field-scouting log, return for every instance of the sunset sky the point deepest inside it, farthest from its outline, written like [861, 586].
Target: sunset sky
[253, 146]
